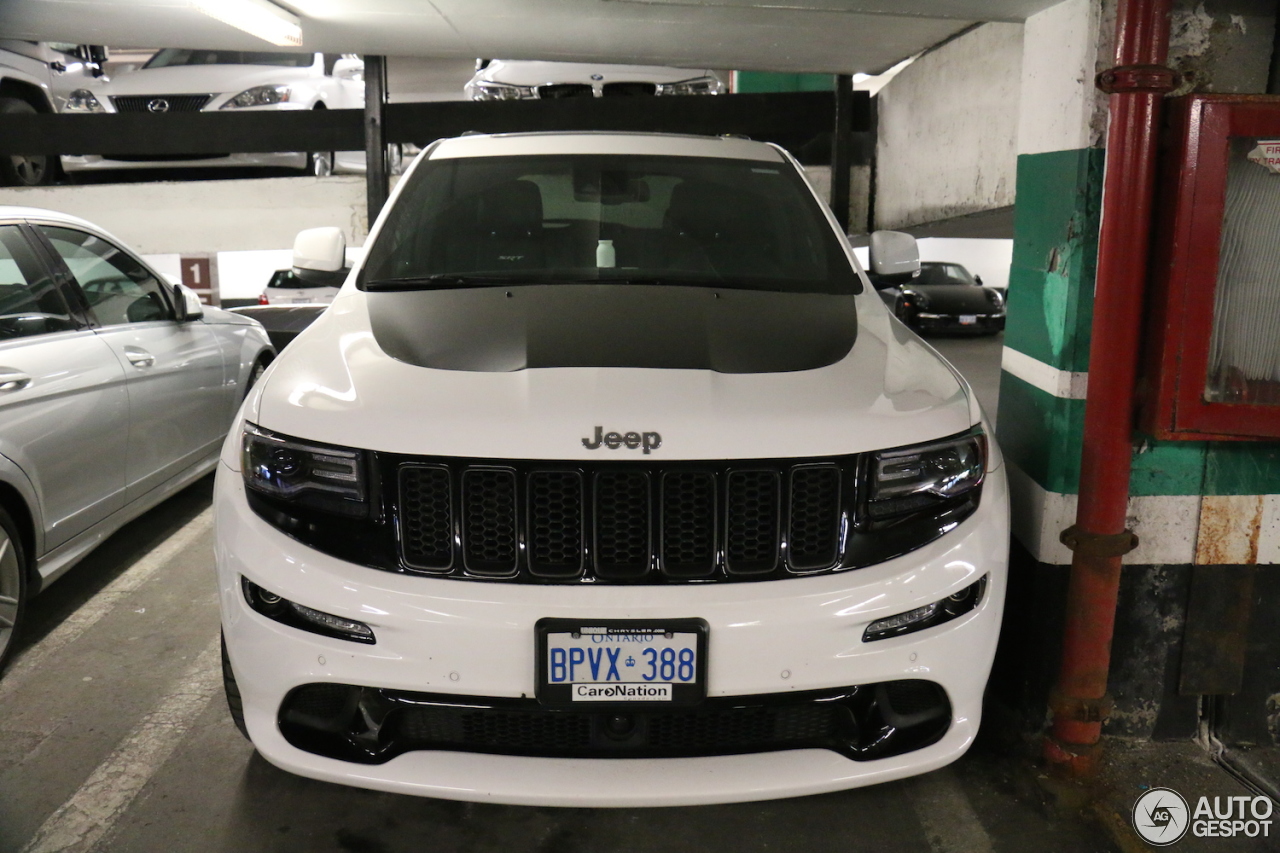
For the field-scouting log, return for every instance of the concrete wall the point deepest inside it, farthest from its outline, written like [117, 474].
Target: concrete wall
[948, 127]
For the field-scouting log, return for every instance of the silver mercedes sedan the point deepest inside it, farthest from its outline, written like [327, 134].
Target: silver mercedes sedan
[116, 390]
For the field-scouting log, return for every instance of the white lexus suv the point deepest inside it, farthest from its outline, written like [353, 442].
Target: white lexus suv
[607, 479]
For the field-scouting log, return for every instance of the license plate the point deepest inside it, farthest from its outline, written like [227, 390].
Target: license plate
[584, 662]
[968, 319]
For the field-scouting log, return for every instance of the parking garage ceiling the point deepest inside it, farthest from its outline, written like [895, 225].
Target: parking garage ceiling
[834, 36]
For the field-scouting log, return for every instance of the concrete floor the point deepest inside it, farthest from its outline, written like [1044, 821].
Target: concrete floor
[114, 736]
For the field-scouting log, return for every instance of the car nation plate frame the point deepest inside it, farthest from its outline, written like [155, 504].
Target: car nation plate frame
[591, 663]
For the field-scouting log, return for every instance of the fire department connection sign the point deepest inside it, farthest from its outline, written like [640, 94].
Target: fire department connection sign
[1267, 154]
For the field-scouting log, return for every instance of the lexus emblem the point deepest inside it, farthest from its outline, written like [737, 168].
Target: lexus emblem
[157, 105]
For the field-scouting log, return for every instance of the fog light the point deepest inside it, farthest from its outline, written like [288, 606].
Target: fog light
[304, 618]
[920, 618]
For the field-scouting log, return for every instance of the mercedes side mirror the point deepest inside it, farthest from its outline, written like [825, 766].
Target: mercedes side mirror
[895, 257]
[189, 305]
[320, 249]
[349, 68]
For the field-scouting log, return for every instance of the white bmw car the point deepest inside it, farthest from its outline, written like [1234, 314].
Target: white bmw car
[510, 79]
[186, 80]
[606, 480]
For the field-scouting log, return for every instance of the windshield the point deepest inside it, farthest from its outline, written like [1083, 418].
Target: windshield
[943, 274]
[635, 219]
[180, 56]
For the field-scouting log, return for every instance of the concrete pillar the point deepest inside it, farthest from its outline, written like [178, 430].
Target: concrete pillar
[1192, 503]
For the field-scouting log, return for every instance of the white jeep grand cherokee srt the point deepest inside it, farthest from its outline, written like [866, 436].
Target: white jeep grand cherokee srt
[607, 479]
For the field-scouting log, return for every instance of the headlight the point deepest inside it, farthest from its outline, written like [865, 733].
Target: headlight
[258, 96]
[918, 477]
[996, 297]
[917, 299]
[696, 86]
[501, 92]
[323, 477]
[83, 101]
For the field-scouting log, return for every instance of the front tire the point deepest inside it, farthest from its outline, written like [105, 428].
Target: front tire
[13, 585]
[24, 170]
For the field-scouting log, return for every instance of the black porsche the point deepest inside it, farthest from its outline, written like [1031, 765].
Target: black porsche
[945, 297]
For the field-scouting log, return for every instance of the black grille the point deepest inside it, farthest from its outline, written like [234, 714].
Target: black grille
[751, 522]
[622, 524]
[483, 729]
[814, 535]
[628, 89]
[688, 524]
[320, 701]
[427, 519]
[174, 103]
[489, 521]
[566, 90]
[555, 523]
[371, 725]
[681, 521]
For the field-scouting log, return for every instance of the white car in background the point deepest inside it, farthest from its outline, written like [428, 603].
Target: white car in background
[509, 80]
[293, 287]
[40, 77]
[185, 80]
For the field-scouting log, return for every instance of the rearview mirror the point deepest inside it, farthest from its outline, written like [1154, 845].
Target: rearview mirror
[189, 305]
[894, 256]
[320, 249]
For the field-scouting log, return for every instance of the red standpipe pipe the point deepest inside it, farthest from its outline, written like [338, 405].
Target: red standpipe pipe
[1079, 702]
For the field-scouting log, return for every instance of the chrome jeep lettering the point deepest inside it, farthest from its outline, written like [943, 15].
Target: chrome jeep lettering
[646, 442]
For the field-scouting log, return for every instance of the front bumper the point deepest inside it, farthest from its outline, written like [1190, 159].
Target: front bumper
[981, 324]
[475, 639]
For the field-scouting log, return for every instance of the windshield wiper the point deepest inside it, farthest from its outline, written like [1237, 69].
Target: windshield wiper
[448, 279]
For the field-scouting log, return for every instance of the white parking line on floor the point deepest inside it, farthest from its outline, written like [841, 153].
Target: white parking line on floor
[81, 821]
[949, 821]
[101, 604]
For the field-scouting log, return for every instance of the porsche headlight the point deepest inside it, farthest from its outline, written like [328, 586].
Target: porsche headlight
[258, 96]
[501, 92]
[913, 478]
[318, 476]
[697, 86]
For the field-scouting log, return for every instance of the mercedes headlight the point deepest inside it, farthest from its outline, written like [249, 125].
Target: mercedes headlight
[319, 476]
[258, 96]
[906, 479]
[83, 101]
[696, 86]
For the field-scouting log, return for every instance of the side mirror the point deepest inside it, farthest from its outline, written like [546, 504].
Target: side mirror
[320, 249]
[894, 256]
[189, 305]
[977, 278]
[349, 69]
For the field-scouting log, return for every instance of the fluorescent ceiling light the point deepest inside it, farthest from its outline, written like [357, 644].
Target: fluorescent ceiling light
[259, 18]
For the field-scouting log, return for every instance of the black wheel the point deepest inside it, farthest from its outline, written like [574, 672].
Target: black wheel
[234, 703]
[13, 585]
[24, 170]
[259, 368]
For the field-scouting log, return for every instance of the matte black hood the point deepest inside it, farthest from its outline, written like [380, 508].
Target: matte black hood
[501, 329]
